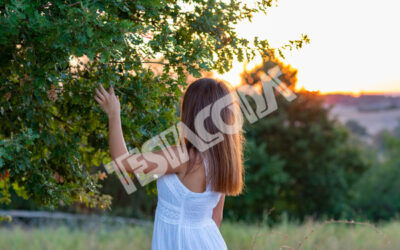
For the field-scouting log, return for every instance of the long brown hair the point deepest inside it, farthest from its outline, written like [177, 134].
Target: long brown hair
[224, 159]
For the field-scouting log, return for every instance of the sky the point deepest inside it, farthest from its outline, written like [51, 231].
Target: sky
[354, 47]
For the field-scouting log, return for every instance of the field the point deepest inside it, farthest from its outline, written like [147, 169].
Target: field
[310, 235]
[374, 122]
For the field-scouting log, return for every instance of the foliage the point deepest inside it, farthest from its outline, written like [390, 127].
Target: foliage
[356, 128]
[396, 131]
[263, 184]
[54, 53]
[140, 204]
[378, 196]
[5, 218]
[302, 162]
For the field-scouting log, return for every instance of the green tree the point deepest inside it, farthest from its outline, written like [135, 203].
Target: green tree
[356, 128]
[377, 192]
[396, 131]
[302, 163]
[54, 53]
[265, 179]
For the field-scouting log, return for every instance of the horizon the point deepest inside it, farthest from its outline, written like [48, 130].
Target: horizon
[366, 48]
[391, 94]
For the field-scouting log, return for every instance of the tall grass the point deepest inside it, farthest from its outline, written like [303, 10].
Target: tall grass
[310, 235]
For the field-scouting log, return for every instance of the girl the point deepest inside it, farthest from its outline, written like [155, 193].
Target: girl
[190, 196]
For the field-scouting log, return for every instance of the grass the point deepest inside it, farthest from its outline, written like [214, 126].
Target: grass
[310, 235]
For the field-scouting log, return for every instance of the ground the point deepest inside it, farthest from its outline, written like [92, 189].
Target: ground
[309, 235]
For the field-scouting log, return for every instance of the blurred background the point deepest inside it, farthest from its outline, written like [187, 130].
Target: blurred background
[322, 171]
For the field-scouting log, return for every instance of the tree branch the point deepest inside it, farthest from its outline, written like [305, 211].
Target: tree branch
[73, 4]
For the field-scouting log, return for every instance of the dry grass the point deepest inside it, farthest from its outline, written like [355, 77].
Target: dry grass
[310, 235]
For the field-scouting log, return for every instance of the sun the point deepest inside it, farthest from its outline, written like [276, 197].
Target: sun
[345, 54]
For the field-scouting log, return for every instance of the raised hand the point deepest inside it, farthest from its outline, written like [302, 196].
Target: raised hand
[108, 101]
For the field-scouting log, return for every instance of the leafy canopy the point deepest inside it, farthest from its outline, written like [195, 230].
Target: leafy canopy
[299, 160]
[54, 53]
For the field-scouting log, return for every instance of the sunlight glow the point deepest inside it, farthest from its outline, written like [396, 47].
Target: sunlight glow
[355, 45]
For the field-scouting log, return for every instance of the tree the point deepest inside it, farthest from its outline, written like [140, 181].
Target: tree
[356, 128]
[377, 191]
[396, 131]
[302, 161]
[54, 53]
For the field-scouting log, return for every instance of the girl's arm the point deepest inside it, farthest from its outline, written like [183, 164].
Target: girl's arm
[109, 103]
[218, 211]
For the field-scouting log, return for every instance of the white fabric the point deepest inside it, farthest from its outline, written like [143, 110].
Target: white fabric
[183, 218]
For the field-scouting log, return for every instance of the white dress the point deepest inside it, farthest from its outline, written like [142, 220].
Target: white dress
[183, 218]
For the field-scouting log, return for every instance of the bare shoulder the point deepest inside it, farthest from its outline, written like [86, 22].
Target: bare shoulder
[178, 161]
[182, 160]
[168, 160]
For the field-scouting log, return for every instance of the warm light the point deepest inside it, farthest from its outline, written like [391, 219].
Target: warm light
[354, 44]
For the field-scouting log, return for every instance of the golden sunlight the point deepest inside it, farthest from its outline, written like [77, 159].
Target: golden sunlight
[348, 53]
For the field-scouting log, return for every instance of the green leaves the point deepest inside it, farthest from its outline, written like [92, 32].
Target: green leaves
[298, 159]
[53, 55]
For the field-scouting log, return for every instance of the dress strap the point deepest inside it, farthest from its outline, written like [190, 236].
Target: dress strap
[206, 169]
[205, 163]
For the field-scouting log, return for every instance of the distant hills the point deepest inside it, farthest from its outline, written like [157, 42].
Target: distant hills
[367, 115]
[364, 102]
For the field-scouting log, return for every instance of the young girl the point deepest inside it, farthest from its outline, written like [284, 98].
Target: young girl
[190, 196]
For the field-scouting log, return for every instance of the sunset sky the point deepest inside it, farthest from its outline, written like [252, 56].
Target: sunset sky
[355, 45]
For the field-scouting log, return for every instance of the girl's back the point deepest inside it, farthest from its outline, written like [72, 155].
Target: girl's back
[184, 218]
[191, 194]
